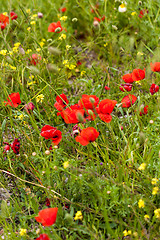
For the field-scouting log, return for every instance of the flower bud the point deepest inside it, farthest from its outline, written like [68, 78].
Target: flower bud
[58, 29]
[54, 50]
[29, 107]
[40, 15]
[52, 67]
[80, 117]
[47, 152]
[34, 154]
[92, 100]
[96, 23]
[90, 112]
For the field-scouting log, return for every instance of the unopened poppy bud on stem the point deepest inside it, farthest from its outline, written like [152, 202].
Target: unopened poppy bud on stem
[92, 100]
[54, 50]
[58, 29]
[80, 117]
[90, 112]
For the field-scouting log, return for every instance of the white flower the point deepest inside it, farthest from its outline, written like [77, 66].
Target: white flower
[122, 8]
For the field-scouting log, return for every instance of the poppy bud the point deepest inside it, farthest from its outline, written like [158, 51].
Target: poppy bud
[92, 100]
[34, 154]
[141, 138]
[69, 218]
[34, 70]
[6, 148]
[80, 117]
[52, 68]
[40, 15]
[47, 152]
[90, 112]
[58, 29]
[54, 50]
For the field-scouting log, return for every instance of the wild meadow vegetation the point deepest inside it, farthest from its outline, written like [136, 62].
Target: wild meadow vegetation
[80, 119]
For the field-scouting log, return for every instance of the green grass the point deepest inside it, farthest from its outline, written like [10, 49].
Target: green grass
[103, 179]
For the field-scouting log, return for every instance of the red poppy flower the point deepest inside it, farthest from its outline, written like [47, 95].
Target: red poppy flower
[60, 104]
[105, 108]
[99, 19]
[4, 20]
[70, 114]
[155, 67]
[13, 15]
[87, 135]
[43, 236]
[128, 100]
[79, 63]
[35, 58]
[144, 111]
[154, 88]
[15, 145]
[49, 132]
[128, 78]
[63, 10]
[143, 12]
[126, 87]
[55, 25]
[138, 74]
[13, 100]
[47, 216]
[6, 147]
[107, 88]
[88, 101]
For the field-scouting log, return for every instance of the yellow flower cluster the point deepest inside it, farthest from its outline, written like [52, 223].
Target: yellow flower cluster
[22, 232]
[40, 98]
[3, 52]
[155, 190]
[63, 36]
[157, 213]
[142, 166]
[66, 164]
[141, 203]
[64, 18]
[69, 66]
[78, 216]
[126, 233]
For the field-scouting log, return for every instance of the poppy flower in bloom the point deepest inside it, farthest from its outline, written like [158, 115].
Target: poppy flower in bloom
[6, 147]
[49, 132]
[43, 236]
[126, 87]
[143, 12]
[61, 102]
[144, 111]
[128, 100]
[138, 74]
[47, 216]
[55, 25]
[13, 15]
[34, 59]
[105, 108]
[72, 114]
[155, 67]
[87, 135]
[15, 145]
[107, 88]
[29, 107]
[154, 88]
[99, 19]
[13, 100]
[128, 78]
[4, 20]
[88, 101]
[63, 9]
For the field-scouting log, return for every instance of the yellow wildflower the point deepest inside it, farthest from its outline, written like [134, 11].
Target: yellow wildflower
[29, 28]
[68, 47]
[5, 13]
[106, 44]
[64, 18]
[154, 181]
[141, 203]
[78, 216]
[32, 22]
[33, 16]
[3, 52]
[21, 117]
[126, 233]
[155, 190]
[133, 13]
[17, 44]
[72, 66]
[12, 67]
[66, 164]
[10, 53]
[140, 54]
[28, 11]
[41, 44]
[31, 77]
[83, 73]
[40, 98]
[28, 51]
[22, 232]
[38, 49]
[142, 166]
[157, 213]
[15, 49]
[146, 217]
[43, 40]
[65, 62]
[63, 36]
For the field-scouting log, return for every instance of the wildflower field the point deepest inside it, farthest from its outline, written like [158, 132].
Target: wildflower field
[80, 120]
